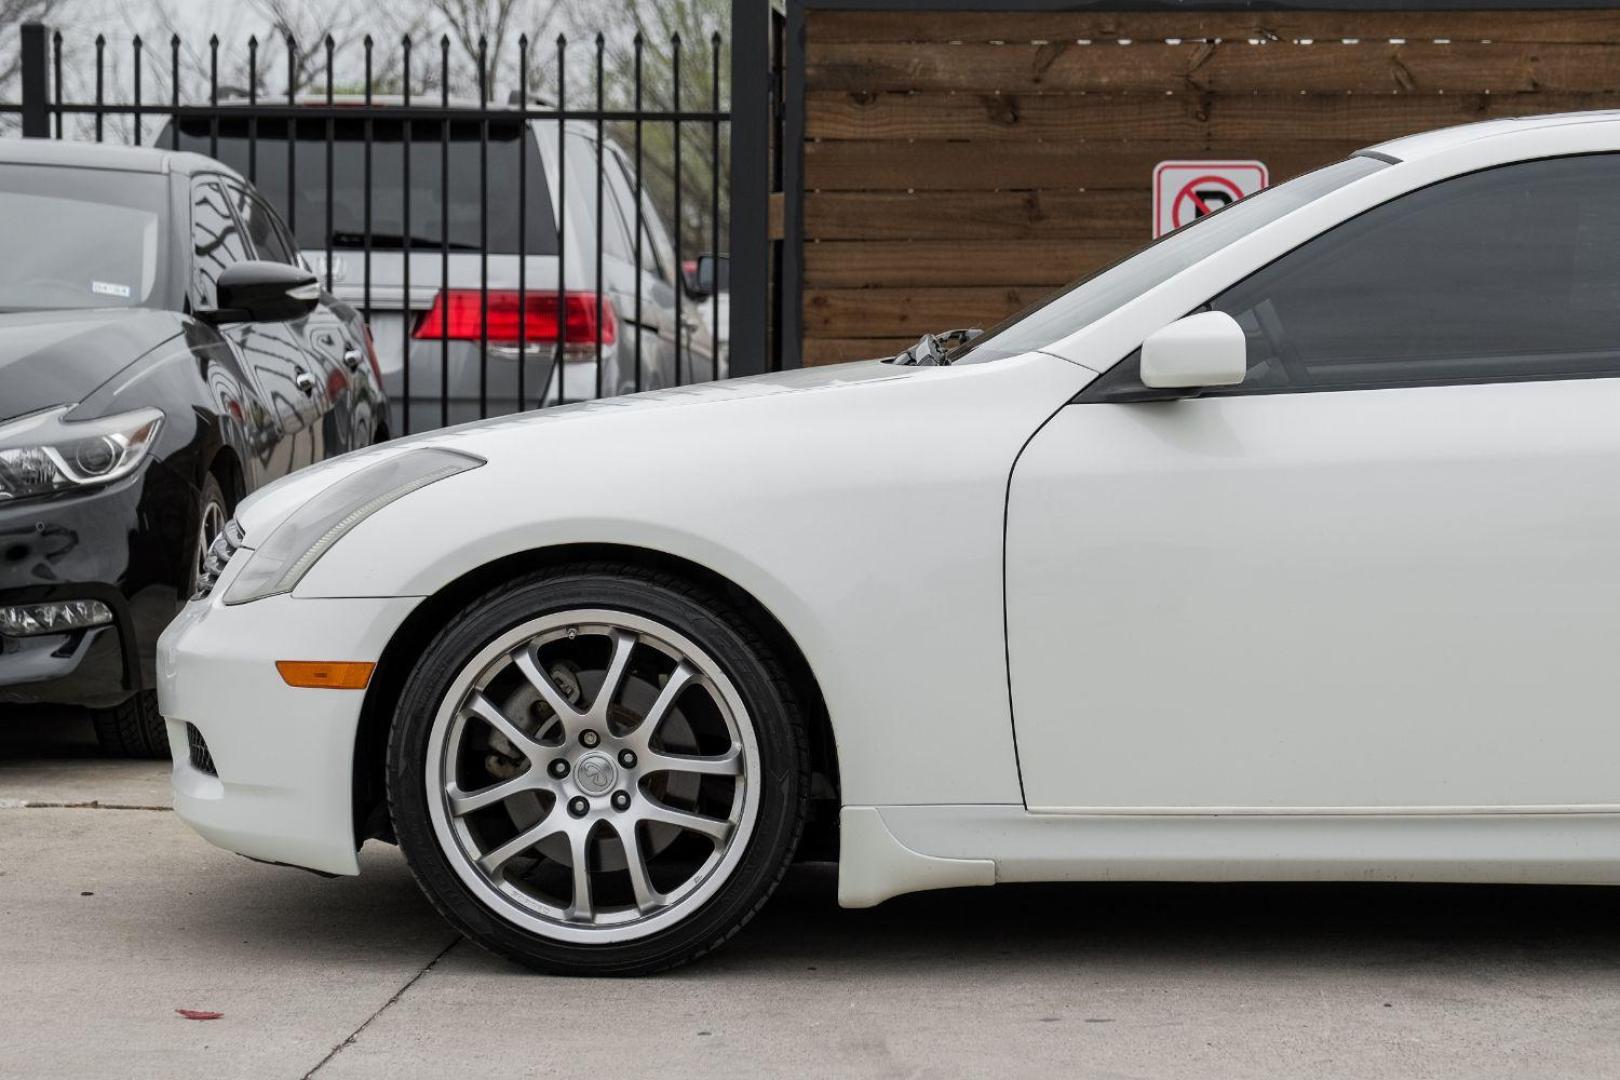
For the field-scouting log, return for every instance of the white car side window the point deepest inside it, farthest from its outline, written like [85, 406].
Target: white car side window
[1509, 273]
[1506, 274]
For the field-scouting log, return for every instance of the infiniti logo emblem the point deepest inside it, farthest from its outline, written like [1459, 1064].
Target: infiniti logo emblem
[595, 774]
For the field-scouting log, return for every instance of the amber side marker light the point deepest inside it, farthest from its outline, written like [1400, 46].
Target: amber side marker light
[326, 674]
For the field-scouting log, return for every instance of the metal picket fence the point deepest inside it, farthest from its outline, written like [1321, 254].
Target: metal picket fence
[509, 255]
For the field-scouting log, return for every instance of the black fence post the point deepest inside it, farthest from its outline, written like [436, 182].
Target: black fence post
[751, 117]
[36, 106]
[790, 172]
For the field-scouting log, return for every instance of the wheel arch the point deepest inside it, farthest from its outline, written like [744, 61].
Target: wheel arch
[226, 468]
[394, 666]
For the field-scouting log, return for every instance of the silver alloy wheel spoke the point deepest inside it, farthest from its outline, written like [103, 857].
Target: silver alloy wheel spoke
[658, 712]
[579, 851]
[212, 523]
[728, 764]
[648, 899]
[716, 829]
[463, 803]
[528, 662]
[483, 708]
[624, 643]
[492, 861]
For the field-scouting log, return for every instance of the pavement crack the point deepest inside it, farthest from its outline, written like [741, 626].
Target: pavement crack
[93, 804]
[401, 992]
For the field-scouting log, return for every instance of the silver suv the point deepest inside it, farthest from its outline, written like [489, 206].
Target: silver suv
[463, 351]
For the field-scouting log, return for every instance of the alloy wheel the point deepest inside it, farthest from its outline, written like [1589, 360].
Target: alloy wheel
[211, 523]
[593, 776]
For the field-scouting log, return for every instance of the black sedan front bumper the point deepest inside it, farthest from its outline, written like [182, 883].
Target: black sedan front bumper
[130, 546]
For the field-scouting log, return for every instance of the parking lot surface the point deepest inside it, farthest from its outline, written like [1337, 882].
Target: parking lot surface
[113, 915]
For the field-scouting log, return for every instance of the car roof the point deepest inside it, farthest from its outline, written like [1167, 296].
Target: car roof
[1423, 144]
[81, 155]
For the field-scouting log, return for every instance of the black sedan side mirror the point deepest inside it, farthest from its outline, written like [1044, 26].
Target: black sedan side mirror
[259, 291]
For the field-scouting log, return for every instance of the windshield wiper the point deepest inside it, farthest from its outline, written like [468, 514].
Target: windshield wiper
[395, 242]
[934, 350]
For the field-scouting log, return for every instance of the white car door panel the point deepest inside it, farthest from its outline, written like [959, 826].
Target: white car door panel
[1392, 599]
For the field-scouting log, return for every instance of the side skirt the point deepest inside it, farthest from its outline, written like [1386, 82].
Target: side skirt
[889, 850]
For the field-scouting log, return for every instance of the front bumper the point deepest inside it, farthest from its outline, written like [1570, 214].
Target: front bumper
[284, 756]
[127, 545]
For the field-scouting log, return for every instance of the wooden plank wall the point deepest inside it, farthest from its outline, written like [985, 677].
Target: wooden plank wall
[959, 166]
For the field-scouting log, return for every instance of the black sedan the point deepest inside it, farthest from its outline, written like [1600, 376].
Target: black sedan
[163, 352]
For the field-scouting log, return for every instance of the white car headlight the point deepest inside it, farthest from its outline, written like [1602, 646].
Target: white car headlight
[279, 563]
[43, 452]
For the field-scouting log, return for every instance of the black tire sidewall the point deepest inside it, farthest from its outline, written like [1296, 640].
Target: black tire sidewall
[133, 729]
[777, 731]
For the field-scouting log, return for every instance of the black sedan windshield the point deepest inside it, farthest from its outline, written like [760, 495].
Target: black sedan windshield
[81, 238]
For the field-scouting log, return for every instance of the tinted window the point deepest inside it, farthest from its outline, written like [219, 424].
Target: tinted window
[81, 238]
[1091, 298]
[266, 233]
[1510, 273]
[216, 240]
[264, 162]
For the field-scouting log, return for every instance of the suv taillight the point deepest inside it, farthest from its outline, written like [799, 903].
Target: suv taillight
[459, 314]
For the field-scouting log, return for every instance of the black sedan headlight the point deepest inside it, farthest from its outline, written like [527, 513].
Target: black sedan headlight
[44, 452]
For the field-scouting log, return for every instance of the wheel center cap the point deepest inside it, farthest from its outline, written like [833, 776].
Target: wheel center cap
[595, 774]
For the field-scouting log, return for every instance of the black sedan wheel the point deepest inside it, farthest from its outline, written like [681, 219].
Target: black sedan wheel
[135, 728]
[598, 771]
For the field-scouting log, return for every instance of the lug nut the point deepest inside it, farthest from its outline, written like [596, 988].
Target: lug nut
[621, 800]
[559, 768]
[578, 806]
[627, 758]
[589, 738]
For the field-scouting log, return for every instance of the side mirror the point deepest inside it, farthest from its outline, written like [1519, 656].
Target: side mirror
[1207, 349]
[258, 291]
[713, 274]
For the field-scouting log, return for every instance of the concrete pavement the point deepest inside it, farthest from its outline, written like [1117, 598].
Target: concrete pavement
[110, 919]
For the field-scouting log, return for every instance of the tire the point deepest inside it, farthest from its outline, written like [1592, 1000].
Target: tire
[133, 729]
[738, 713]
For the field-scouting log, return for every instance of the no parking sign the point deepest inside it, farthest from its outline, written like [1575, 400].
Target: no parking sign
[1184, 191]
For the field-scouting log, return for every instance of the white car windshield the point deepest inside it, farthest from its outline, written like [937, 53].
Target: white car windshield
[80, 238]
[1089, 299]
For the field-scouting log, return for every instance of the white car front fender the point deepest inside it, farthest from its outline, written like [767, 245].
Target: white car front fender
[863, 506]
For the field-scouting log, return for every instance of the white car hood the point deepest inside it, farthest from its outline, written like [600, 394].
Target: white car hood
[265, 509]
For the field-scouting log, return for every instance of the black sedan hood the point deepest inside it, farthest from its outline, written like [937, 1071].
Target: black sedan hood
[59, 357]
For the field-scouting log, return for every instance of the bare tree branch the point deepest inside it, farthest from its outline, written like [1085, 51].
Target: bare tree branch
[495, 23]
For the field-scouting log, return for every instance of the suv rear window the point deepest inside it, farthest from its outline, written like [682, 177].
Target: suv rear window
[264, 161]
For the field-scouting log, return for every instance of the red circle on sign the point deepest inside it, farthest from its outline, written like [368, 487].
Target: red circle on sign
[1189, 193]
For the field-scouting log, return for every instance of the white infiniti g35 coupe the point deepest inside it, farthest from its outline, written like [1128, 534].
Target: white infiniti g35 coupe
[1285, 549]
